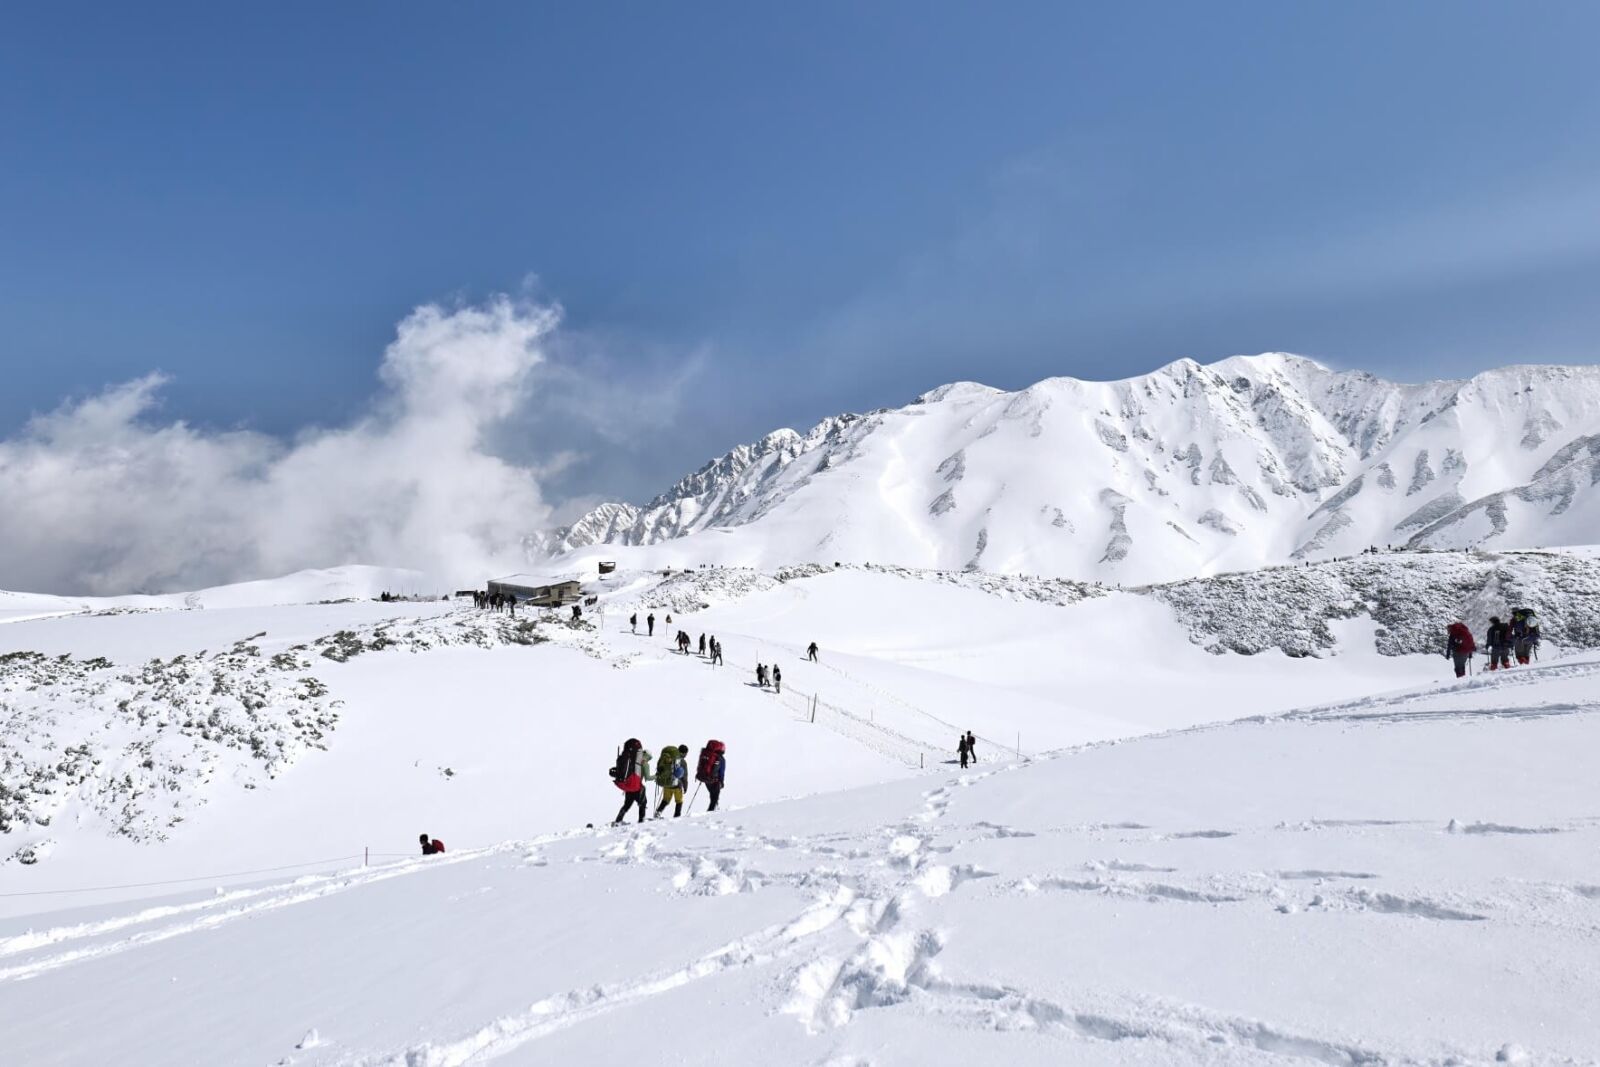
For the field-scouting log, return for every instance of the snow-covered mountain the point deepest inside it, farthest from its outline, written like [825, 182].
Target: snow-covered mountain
[1188, 470]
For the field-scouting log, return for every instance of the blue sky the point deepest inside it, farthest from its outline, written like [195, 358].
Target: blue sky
[755, 215]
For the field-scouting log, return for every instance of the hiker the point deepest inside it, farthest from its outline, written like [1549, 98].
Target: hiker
[716, 652]
[630, 774]
[811, 652]
[713, 770]
[633, 622]
[511, 604]
[672, 775]
[777, 678]
[761, 675]
[431, 846]
[650, 623]
[963, 751]
[1459, 646]
[683, 642]
[1498, 639]
[577, 613]
[1524, 634]
[702, 644]
[972, 746]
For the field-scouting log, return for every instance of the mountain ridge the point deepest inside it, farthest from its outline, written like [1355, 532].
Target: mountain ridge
[1188, 469]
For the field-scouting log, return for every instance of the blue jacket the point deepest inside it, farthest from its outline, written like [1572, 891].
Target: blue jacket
[721, 772]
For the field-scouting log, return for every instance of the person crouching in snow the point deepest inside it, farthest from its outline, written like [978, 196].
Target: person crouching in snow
[431, 846]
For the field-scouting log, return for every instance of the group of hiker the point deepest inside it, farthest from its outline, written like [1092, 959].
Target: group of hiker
[1502, 640]
[967, 749]
[632, 773]
[649, 622]
[772, 676]
[495, 601]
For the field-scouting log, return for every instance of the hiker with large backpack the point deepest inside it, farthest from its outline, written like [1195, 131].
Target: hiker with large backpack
[630, 773]
[712, 770]
[1498, 638]
[777, 678]
[1524, 634]
[431, 846]
[672, 777]
[1459, 646]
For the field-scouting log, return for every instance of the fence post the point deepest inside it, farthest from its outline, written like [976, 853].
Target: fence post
[813, 707]
[1019, 744]
[366, 855]
[921, 766]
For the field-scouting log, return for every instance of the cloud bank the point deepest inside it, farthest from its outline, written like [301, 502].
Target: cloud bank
[100, 496]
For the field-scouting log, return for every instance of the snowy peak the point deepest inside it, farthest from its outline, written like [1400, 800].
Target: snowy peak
[1187, 470]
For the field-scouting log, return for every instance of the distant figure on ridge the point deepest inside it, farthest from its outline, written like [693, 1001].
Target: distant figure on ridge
[811, 652]
[431, 846]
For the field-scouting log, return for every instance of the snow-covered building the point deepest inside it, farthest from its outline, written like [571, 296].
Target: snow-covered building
[543, 590]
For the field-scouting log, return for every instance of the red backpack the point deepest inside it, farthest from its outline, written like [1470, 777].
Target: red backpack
[1461, 639]
[706, 770]
[625, 775]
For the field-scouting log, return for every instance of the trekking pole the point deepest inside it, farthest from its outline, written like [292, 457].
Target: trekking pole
[690, 808]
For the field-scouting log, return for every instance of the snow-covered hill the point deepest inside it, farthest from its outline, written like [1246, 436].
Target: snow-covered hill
[171, 735]
[1406, 879]
[1185, 471]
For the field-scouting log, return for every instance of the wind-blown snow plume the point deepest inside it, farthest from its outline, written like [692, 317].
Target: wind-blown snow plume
[100, 497]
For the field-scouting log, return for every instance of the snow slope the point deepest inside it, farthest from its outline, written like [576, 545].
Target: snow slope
[302, 587]
[1186, 471]
[161, 744]
[1395, 879]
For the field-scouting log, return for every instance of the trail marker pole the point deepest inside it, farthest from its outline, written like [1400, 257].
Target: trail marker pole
[366, 855]
[1019, 744]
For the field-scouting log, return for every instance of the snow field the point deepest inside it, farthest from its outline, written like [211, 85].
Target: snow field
[1412, 886]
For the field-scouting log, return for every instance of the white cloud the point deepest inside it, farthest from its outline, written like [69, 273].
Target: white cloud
[101, 496]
